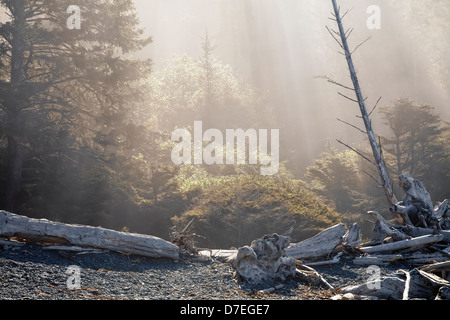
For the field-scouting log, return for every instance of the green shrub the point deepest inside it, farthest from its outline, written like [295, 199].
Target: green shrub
[233, 211]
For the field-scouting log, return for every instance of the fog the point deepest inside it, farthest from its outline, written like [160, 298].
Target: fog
[281, 46]
[82, 142]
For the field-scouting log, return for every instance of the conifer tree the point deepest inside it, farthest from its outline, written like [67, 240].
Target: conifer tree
[64, 74]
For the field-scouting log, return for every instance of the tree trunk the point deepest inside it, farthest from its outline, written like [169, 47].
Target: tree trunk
[14, 106]
[386, 183]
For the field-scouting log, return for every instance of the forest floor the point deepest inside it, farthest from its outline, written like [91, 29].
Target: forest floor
[31, 273]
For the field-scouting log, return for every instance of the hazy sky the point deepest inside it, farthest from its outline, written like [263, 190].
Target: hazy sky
[281, 45]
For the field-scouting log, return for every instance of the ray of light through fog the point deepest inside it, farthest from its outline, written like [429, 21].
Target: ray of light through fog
[280, 46]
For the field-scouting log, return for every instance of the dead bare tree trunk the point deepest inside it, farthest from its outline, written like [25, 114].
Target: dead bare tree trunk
[377, 153]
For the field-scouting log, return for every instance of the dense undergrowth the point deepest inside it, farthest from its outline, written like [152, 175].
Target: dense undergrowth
[233, 211]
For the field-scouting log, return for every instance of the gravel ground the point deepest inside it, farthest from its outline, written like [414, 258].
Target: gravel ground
[31, 273]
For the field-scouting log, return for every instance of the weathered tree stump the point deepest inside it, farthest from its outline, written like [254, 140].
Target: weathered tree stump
[264, 260]
[417, 207]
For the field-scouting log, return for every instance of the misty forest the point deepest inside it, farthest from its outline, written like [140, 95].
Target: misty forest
[91, 92]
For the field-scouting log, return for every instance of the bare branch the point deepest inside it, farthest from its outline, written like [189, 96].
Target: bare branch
[336, 33]
[378, 101]
[378, 182]
[330, 80]
[356, 151]
[348, 32]
[353, 126]
[359, 45]
[343, 16]
[340, 85]
[331, 33]
[347, 97]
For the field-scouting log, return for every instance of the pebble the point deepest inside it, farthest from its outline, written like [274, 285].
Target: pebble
[28, 272]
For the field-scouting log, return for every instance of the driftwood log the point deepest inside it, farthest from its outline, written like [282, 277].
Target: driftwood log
[384, 229]
[219, 254]
[45, 231]
[413, 259]
[404, 285]
[353, 236]
[418, 232]
[411, 244]
[321, 245]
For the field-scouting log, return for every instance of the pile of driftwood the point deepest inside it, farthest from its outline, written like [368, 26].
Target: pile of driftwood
[272, 258]
[419, 240]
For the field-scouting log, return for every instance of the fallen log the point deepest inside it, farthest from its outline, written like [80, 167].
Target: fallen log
[42, 230]
[445, 234]
[73, 249]
[440, 268]
[384, 229]
[430, 281]
[414, 259]
[378, 260]
[320, 245]
[418, 231]
[412, 244]
[435, 266]
[415, 284]
[220, 254]
[389, 287]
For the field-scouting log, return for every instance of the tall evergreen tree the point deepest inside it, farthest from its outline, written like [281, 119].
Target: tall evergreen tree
[416, 142]
[334, 176]
[65, 75]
